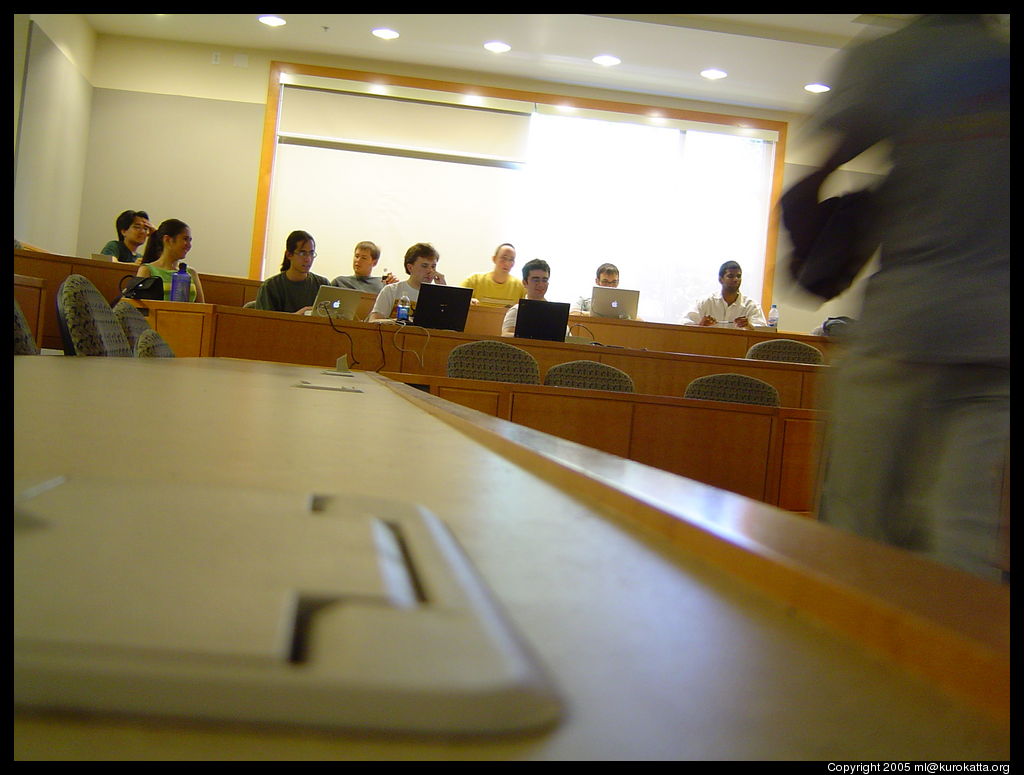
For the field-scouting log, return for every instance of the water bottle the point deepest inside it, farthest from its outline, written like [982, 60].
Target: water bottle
[773, 317]
[181, 284]
[402, 315]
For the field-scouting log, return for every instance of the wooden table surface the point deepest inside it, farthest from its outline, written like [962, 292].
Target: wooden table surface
[658, 648]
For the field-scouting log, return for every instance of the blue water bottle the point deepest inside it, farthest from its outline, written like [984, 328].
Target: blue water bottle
[402, 313]
[181, 284]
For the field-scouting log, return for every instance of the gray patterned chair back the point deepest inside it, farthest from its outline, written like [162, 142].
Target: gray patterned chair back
[497, 361]
[788, 350]
[133, 322]
[737, 388]
[87, 323]
[24, 342]
[589, 375]
[152, 345]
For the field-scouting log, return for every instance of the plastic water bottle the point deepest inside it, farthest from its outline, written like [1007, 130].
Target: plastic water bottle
[181, 284]
[402, 315]
[773, 317]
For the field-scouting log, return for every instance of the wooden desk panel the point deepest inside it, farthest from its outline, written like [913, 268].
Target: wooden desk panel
[665, 337]
[679, 621]
[738, 447]
[187, 327]
[30, 293]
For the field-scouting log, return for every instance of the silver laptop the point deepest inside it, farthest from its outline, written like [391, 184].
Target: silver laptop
[338, 303]
[614, 303]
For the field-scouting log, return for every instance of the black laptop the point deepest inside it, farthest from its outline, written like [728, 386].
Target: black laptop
[542, 320]
[442, 306]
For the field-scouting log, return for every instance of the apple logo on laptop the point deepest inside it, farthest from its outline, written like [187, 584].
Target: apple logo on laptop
[614, 304]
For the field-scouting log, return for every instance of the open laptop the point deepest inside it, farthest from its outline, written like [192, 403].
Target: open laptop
[338, 303]
[442, 306]
[542, 320]
[614, 303]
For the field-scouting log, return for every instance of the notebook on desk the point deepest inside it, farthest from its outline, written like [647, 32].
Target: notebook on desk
[614, 303]
[442, 306]
[542, 320]
[338, 303]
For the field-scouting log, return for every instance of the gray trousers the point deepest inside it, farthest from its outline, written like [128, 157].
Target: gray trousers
[915, 455]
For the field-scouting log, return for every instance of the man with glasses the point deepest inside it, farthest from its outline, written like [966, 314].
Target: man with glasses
[295, 288]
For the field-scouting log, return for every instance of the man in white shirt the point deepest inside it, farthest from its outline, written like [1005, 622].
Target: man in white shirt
[536, 274]
[421, 265]
[729, 306]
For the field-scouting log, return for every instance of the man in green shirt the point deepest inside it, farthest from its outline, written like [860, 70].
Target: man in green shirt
[295, 288]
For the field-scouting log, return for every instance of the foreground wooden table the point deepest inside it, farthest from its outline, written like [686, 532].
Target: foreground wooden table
[678, 621]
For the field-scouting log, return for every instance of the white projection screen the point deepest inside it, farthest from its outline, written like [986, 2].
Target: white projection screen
[398, 169]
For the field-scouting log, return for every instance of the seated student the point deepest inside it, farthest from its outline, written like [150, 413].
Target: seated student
[176, 238]
[608, 277]
[295, 288]
[497, 288]
[536, 274]
[364, 259]
[421, 266]
[728, 306]
[133, 227]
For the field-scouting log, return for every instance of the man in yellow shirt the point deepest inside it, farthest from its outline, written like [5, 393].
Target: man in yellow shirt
[497, 288]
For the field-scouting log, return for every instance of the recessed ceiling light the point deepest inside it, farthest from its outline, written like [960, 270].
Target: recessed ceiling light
[273, 21]
[385, 33]
[606, 60]
[497, 47]
[817, 88]
[713, 73]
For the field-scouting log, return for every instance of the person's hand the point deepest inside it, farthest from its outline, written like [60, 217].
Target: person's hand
[389, 279]
[137, 261]
[707, 320]
[740, 322]
[439, 279]
[303, 310]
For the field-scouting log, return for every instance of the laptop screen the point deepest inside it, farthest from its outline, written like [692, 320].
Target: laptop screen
[614, 303]
[542, 320]
[338, 303]
[442, 306]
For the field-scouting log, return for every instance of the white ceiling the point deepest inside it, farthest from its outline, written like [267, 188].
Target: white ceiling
[769, 57]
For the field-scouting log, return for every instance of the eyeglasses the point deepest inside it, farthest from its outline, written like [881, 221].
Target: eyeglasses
[306, 253]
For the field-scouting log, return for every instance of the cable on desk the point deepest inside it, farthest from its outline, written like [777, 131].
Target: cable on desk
[580, 325]
[419, 356]
[323, 306]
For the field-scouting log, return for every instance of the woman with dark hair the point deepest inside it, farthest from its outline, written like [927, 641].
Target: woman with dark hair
[132, 227]
[295, 288]
[176, 238]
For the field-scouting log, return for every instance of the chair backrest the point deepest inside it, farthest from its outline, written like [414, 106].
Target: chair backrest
[589, 375]
[87, 323]
[152, 345]
[737, 388]
[498, 361]
[24, 342]
[788, 350]
[133, 322]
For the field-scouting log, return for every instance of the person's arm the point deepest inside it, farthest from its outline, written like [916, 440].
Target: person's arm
[264, 299]
[469, 282]
[508, 325]
[383, 304]
[144, 271]
[200, 296]
[698, 316]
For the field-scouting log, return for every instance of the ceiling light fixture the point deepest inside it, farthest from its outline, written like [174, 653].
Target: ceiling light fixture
[713, 73]
[385, 33]
[273, 21]
[817, 88]
[606, 60]
[497, 47]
